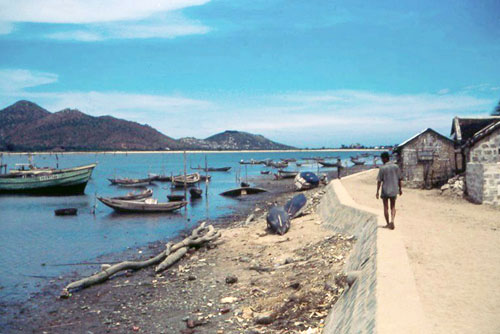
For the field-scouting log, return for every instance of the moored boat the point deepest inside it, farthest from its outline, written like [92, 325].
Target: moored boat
[66, 212]
[68, 181]
[329, 164]
[188, 180]
[126, 182]
[195, 192]
[176, 197]
[212, 169]
[135, 196]
[148, 206]
[285, 174]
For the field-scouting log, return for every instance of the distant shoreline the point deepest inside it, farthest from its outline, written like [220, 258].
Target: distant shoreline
[196, 151]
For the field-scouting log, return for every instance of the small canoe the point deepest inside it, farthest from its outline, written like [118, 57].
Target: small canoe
[66, 212]
[195, 192]
[126, 182]
[147, 206]
[176, 198]
[243, 191]
[135, 196]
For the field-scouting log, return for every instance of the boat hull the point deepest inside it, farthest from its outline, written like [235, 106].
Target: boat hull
[70, 181]
[141, 207]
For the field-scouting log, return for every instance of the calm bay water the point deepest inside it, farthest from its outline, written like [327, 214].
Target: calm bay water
[32, 239]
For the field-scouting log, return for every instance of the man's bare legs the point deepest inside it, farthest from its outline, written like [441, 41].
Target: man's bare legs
[390, 223]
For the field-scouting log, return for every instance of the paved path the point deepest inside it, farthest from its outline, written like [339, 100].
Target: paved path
[454, 252]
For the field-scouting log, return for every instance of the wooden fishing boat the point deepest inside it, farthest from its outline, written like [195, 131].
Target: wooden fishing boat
[188, 180]
[329, 164]
[159, 177]
[135, 196]
[176, 197]
[68, 181]
[195, 192]
[285, 174]
[243, 191]
[212, 169]
[66, 212]
[205, 177]
[148, 206]
[358, 162]
[126, 182]
[265, 172]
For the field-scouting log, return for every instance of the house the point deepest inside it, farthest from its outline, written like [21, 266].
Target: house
[426, 159]
[462, 130]
[482, 153]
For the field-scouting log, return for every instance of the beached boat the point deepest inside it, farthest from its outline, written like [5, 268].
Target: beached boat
[126, 182]
[69, 181]
[195, 192]
[148, 206]
[135, 196]
[189, 180]
[285, 174]
[306, 180]
[243, 191]
[329, 164]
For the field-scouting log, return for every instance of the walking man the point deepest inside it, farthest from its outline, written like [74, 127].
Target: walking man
[389, 177]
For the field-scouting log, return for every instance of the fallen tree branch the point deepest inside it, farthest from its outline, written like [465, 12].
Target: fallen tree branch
[168, 257]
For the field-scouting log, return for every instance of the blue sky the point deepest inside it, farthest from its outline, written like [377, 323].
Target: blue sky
[306, 73]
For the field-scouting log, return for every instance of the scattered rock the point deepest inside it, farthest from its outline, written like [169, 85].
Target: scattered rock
[289, 260]
[191, 278]
[295, 285]
[228, 300]
[231, 279]
[265, 318]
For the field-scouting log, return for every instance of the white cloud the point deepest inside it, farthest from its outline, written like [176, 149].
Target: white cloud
[96, 20]
[16, 80]
[168, 25]
[87, 11]
[443, 91]
[298, 118]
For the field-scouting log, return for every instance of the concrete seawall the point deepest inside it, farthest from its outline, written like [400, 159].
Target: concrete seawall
[383, 298]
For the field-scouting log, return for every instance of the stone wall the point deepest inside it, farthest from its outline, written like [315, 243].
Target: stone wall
[483, 182]
[427, 161]
[474, 182]
[487, 149]
[355, 311]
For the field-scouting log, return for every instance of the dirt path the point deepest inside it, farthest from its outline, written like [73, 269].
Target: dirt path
[454, 250]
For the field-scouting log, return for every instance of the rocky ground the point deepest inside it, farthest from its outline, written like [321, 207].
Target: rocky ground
[249, 281]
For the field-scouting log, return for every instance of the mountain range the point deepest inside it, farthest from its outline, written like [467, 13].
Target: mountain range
[25, 126]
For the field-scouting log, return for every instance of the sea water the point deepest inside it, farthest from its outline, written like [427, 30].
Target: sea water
[35, 244]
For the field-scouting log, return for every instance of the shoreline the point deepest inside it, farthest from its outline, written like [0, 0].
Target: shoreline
[194, 151]
[42, 310]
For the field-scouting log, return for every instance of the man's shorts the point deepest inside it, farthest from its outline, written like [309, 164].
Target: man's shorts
[383, 196]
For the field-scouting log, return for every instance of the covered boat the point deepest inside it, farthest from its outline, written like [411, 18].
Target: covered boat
[306, 180]
[148, 206]
[69, 181]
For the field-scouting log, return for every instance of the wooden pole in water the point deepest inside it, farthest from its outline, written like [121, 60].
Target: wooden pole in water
[185, 174]
[206, 176]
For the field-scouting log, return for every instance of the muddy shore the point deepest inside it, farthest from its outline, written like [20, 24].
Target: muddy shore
[296, 289]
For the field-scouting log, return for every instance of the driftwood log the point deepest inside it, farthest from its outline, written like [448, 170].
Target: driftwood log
[200, 235]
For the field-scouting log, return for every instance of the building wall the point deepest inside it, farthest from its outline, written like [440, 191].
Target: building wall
[427, 173]
[483, 182]
[487, 149]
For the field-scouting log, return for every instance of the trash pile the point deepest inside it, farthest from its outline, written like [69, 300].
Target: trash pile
[454, 187]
